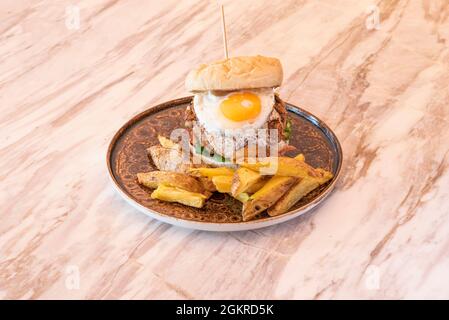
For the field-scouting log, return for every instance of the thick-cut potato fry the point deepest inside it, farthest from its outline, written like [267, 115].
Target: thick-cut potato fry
[167, 159]
[257, 186]
[282, 166]
[325, 175]
[207, 184]
[266, 196]
[222, 183]
[167, 143]
[173, 179]
[242, 197]
[300, 157]
[173, 194]
[299, 190]
[244, 179]
[211, 172]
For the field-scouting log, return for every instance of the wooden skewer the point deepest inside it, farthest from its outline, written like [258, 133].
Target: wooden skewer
[223, 25]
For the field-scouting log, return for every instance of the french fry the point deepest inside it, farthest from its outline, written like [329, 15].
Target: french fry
[283, 166]
[300, 157]
[257, 186]
[167, 143]
[207, 184]
[222, 183]
[167, 159]
[266, 196]
[173, 194]
[299, 190]
[211, 172]
[244, 179]
[173, 179]
[242, 197]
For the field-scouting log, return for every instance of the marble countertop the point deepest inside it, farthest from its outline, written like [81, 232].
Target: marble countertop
[72, 72]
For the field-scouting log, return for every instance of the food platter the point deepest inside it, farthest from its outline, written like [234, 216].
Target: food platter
[127, 156]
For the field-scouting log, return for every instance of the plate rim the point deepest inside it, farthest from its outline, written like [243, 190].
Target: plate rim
[225, 226]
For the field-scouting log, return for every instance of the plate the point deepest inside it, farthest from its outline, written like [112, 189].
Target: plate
[127, 156]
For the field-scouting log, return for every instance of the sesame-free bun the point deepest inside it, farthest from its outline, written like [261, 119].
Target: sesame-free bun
[236, 73]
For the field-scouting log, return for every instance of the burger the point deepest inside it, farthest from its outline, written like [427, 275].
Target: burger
[236, 112]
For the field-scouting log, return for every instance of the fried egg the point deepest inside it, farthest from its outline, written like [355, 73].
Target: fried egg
[246, 109]
[232, 119]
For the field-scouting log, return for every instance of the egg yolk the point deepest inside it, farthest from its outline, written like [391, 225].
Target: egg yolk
[241, 106]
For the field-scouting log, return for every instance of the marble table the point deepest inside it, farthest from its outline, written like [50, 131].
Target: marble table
[72, 72]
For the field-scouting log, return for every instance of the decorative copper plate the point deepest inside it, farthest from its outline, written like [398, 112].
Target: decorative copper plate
[127, 156]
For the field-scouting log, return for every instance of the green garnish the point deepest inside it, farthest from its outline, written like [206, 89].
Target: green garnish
[288, 129]
[219, 158]
[199, 149]
[204, 152]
